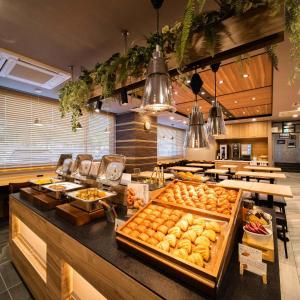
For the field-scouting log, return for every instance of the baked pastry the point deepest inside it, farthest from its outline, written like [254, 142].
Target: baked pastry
[135, 233]
[190, 235]
[169, 223]
[163, 228]
[213, 226]
[196, 258]
[202, 240]
[132, 225]
[164, 245]
[156, 213]
[160, 220]
[146, 223]
[177, 213]
[126, 230]
[148, 211]
[199, 221]
[183, 225]
[141, 228]
[150, 232]
[150, 217]
[165, 216]
[210, 234]
[174, 218]
[189, 218]
[203, 250]
[152, 241]
[143, 236]
[167, 211]
[155, 226]
[171, 238]
[159, 236]
[176, 231]
[142, 215]
[186, 244]
[181, 253]
[159, 208]
[138, 220]
[197, 228]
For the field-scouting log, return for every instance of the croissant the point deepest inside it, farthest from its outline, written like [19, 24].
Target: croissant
[183, 225]
[169, 223]
[138, 220]
[164, 245]
[176, 231]
[141, 228]
[152, 241]
[202, 240]
[213, 226]
[190, 235]
[143, 236]
[126, 230]
[197, 228]
[159, 236]
[203, 250]
[134, 233]
[171, 238]
[210, 234]
[189, 218]
[181, 253]
[163, 228]
[199, 221]
[150, 232]
[196, 258]
[186, 244]
[132, 225]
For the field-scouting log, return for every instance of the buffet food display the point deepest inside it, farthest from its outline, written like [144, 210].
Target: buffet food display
[42, 181]
[201, 196]
[190, 176]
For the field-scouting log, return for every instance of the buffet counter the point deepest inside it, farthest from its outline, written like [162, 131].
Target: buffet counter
[58, 260]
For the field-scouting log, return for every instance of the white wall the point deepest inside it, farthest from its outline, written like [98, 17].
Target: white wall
[202, 153]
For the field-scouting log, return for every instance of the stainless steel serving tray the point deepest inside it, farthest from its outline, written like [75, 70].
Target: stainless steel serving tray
[69, 186]
[89, 205]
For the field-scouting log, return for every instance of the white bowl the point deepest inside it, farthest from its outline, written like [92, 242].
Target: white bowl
[269, 217]
[260, 238]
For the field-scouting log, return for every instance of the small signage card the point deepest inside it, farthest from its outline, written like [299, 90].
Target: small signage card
[118, 223]
[126, 178]
[137, 196]
[251, 260]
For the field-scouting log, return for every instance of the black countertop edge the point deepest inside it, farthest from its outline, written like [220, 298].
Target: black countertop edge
[99, 237]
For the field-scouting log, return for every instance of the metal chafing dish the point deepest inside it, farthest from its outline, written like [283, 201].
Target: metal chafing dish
[89, 205]
[82, 166]
[64, 164]
[38, 183]
[56, 192]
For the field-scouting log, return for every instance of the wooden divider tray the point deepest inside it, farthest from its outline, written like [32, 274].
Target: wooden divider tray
[207, 276]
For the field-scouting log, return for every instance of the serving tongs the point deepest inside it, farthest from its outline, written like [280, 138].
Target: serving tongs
[110, 211]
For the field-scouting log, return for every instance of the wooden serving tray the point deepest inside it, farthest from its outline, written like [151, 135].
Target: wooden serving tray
[207, 278]
[76, 215]
[45, 202]
[28, 193]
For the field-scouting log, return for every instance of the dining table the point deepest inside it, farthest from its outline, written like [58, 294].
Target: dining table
[185, 169]
[216, 172]
[263, 169]
[260, 175]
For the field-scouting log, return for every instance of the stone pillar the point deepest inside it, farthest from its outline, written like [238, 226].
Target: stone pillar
[134, 141]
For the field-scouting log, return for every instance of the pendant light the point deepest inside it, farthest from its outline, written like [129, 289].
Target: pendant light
[79, 126]
[158, 88]
[37, 120]
[215, 122]
[196, 135]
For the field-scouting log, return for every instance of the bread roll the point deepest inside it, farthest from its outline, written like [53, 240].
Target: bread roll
[127, 230]
[210, 234]
[202, 240]
[190, 235]
[152, 241]
[143, 236]
[171, 238]
[176, 231]
[141, 228]
[164, 245]
[138, 220]
[185, 244]
[159, 236]
[132, 225]
[135, 233]
[196, 258]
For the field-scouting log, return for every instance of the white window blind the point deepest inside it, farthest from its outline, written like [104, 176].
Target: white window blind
[169, 142]
[23, 143]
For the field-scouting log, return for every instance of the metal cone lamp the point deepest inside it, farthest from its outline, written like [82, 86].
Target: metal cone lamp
[196, 135]
[215, 123]
[158, 88]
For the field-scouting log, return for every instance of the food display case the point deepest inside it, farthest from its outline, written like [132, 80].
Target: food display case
[173, 235]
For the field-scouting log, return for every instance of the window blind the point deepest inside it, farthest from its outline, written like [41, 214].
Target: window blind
[169, 142]
[23, 143]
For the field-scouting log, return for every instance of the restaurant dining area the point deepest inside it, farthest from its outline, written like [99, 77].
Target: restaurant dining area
[150, 150]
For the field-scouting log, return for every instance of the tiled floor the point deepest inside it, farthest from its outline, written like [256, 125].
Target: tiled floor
[11, 286]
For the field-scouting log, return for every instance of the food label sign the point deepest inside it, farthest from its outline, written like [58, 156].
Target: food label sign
[137, 195]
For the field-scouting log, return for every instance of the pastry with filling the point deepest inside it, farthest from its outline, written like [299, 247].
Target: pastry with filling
[126, 230]
[155, 226]
[210, 234]
[185, 244]
[203, 250]
[142, 215]
[183, 225]
[135, 233]
[132, 225]
[199, 221]
[174, 218]
[213, 226]
[197, 228]
[143, 236]
[171, 238]
[164, 245]
[150, 232]
[141, 228]
[202, 240]
[152, 241]
[189, 218]
[138, 220]
[176, 231]
[196, 258]
[146, 223]
[160, 220]
[181, 253]
[156, 213]
[190, 235]
[169, 223]
[148, 211]
[159, 236]
[163, 228]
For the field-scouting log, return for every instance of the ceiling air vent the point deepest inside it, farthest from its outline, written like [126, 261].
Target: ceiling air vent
[16, 67]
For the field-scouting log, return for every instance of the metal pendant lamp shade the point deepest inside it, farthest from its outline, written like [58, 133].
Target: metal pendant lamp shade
[37, 122]
[196, 135]
[158, 88]
[215, 122]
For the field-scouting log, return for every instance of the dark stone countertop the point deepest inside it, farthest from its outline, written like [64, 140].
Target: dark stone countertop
[99, 237]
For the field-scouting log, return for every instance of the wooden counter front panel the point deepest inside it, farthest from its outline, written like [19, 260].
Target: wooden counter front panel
[63, 254]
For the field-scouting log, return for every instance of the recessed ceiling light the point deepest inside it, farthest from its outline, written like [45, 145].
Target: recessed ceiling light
[188, 81]
[244, 112]
[184, 122]
[295, 116]
[202, 93]
[176, 93]
[257, 110]
[253, 98]
[221, 81]
[188, 109]
[171, 118]
[245, 75]
[235, 102]
[253, 119]
[298, 108]
[200, 107]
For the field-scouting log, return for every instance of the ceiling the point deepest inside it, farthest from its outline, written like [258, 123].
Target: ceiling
[244, 88]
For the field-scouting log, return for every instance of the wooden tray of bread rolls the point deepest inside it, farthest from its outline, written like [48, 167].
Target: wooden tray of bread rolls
[194, 245]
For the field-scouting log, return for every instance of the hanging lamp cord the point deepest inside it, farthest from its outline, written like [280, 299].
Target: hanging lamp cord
[215, 104]
[157, 21]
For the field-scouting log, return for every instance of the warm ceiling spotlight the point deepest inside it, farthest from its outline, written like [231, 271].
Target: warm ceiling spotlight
[245, 75]
[37, 122]
[295, 116]
[202, 93]
[184, 122]
[98, 106]
[200, 107]
[254, 119]
[253, 98]
[175, 93]
[188, 81]
[124, 96]
[298, 108]
[172, 118]
[244, 112]
[78, 126]
[235, 102]
[221, 81]
[257, 110]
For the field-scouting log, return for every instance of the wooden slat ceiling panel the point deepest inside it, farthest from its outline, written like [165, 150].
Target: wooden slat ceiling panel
[252, 111]
[259, 69]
